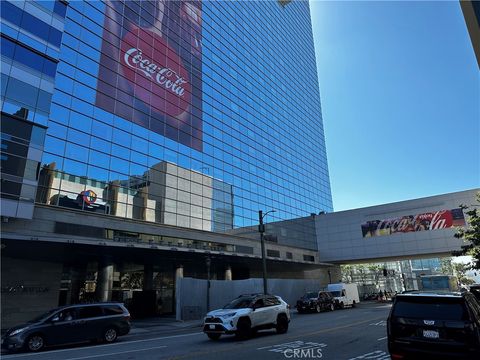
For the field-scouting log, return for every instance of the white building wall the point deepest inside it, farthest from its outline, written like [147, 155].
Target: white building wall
[340, 239]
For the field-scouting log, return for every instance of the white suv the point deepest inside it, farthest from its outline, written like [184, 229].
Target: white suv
[246, 314]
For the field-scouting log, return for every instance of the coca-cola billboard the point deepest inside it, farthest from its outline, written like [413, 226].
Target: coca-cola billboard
[151, 66]
[441, 219]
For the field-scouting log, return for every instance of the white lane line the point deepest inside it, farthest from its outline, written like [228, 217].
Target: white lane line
[291, 343]
[97, 346]
[382, 338]
[116, 353]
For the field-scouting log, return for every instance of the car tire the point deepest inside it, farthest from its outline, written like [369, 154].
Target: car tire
[212, 336]
[35, 342]
[318, 308]
[331, 307]
[282, 324]
[354, 304]
[342, 305]
[110, 335]
[244, 329]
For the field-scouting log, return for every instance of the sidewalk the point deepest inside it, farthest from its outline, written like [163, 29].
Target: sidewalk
[162, 324]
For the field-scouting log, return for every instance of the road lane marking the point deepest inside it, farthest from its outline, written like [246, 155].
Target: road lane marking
[116, 353]
[297, 348]
[286, 344]
[379, 323]
[98, 346]
[377, 355]
[293, 345]
[382, 338]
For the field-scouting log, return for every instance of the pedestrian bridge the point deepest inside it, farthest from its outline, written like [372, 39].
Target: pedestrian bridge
[419, 228]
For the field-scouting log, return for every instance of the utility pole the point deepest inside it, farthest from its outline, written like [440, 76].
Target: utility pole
[261, 229]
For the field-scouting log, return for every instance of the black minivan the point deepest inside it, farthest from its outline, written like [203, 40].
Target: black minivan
[70, 324]
[439, 325]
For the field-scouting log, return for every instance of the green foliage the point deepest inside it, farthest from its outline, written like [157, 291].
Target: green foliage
[471, 234]
[460, 270]
[446, 266]
[377, 271]
[133, 280]
[347, 273]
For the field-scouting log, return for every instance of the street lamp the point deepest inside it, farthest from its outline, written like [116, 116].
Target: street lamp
[208, 262]
[261, 229]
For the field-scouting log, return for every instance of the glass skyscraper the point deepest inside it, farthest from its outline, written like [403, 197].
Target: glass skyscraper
[187, 115]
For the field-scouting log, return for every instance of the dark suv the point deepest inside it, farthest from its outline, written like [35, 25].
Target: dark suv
[475, 290]
[316, 301]
[443, 325]
[70, 324]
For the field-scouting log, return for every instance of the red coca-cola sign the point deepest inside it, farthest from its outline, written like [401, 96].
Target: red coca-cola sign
[150, 67]
[159, 80]
[441, 219]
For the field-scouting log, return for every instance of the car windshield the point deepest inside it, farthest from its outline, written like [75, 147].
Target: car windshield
[336, 293]
[310, 295]
[43, 316]
[430, 308]
[239, 303]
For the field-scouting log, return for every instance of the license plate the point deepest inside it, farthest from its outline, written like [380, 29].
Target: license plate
[212, 327]
[431, 334]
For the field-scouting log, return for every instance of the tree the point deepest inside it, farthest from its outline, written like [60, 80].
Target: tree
[446, 267]
[470, 234]
[363, 273]
[460, 270]
[376, 271]
[132, 280]
[347, 273]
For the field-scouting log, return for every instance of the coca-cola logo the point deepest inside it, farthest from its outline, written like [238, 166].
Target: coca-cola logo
[155, 72]
[441, 220]
[166, 77]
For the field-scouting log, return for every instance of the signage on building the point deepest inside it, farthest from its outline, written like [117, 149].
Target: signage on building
[151, 66]
[89, 196]
[441, 219]
[284, 2]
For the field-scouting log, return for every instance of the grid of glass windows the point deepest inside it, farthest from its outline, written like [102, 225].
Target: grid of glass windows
[263, 143]
[31, 34]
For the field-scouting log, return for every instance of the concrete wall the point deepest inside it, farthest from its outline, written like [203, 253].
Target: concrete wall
[191, 294]
[340, 236]
[29, 288]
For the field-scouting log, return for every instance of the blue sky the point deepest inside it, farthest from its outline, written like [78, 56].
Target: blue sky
[399, 86]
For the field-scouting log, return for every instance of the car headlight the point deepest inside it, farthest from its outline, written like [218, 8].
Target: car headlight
[18, 331]
[229, 315]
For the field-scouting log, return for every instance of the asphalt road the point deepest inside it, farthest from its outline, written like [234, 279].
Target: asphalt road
[358, 333]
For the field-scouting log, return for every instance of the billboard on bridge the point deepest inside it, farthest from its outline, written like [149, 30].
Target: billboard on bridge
[441, 219]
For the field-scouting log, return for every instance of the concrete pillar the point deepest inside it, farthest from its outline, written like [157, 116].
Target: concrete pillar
[104, 281]
[77, 276]
[148, 277]
[228, 273]
[178, 291]
[179, 272]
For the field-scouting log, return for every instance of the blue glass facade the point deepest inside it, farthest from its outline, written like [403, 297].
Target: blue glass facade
[31, 34]
[254, 139]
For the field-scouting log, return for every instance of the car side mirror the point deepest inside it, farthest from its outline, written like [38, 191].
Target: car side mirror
[55, 319]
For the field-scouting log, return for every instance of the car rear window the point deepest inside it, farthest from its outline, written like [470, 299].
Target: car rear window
[112, 310]
[430, 308]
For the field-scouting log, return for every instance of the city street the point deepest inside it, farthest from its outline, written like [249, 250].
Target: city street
[358, 333]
